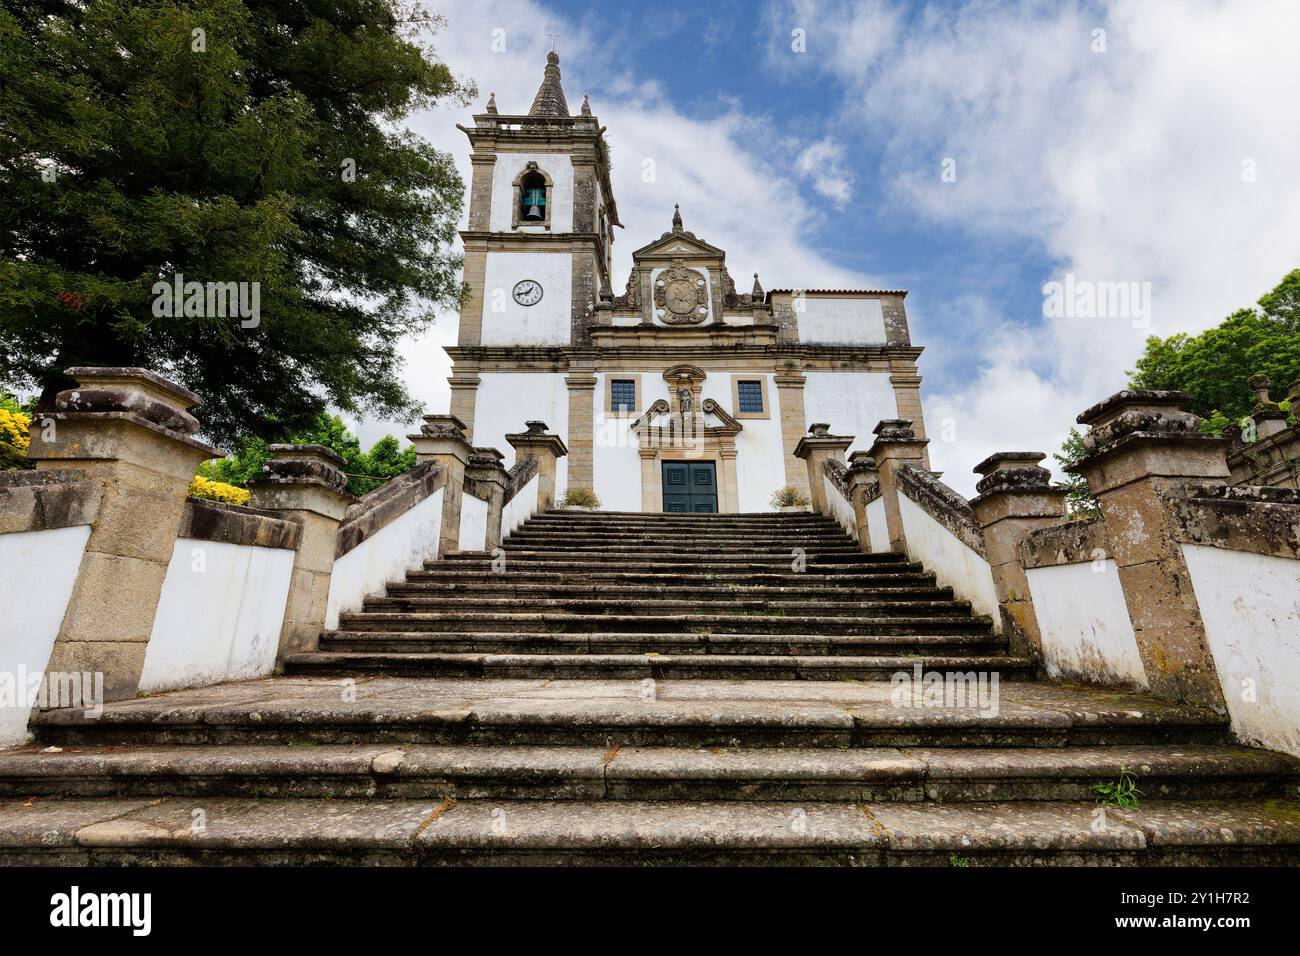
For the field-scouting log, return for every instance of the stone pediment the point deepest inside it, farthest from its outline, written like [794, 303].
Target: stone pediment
[678, 245]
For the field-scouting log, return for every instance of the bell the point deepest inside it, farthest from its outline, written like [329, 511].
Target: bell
[534, 213]
[534, 200]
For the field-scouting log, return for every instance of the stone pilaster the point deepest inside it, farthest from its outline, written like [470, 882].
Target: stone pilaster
[482, 166]
[548, 449]
[729, 487]
[129, 430]
[1140, 452]
[907, 396]
[864, 486]
[1015, 497]
[896, 445]
[794, 422]
[470, 331]
[305, 483]
[464, 382]
[442, 439]
[490, 478]
[815, 448]
[582, 416]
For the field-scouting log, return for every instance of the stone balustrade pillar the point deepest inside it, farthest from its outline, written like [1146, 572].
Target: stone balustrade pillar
[548, 449]
[442, 439]
[129, 429]
[896, 445]
[815, 449]
[1141, 451]
[489, 475]
[864, 485]
[1015, 496]
[306, 484]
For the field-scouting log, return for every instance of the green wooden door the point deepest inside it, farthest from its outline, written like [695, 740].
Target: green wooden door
[690, 486]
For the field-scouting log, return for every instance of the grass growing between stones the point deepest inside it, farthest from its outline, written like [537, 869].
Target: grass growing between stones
[1122, 793]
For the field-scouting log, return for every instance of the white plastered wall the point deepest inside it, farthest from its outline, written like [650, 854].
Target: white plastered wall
[404, 543]
[1250, 604]
[505, 400]
[40, 569]
[559, 166]
[836, 320]
[841, 510]
[954, 564]
[549, 321]
[877, 529]
[852, 403]
[473, 523]
[1084, 623]
[219, 614]
[519, 508]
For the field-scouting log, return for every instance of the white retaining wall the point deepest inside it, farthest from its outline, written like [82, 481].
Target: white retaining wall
[954, 564]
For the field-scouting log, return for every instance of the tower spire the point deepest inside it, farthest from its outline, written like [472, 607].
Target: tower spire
[677, 218]
[549, 100]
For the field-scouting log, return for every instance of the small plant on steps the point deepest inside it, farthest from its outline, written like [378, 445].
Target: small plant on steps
[1122, 793]
[580, 499]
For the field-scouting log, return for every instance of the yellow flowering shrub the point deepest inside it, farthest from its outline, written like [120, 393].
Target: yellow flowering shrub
[202, 487]
[13, 428]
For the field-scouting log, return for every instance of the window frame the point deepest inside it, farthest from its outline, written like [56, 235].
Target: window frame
[758, 378]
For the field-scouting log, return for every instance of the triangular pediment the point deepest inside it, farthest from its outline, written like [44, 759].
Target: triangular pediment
[678, 245]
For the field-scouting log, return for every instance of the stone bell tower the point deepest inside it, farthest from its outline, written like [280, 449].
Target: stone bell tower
[537, 250]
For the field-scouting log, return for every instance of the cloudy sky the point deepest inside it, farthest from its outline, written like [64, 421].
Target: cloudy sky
[970, 152]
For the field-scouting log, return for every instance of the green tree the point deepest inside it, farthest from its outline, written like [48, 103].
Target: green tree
[1215, 366]
[1080, 502]
[248, 141]
[366, 470]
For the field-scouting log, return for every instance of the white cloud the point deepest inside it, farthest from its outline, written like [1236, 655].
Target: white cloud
[823, 164]
[1123, 165]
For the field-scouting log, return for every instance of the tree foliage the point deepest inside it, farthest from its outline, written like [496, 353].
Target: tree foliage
[366, 470]
[141, 139]
[1215, 366]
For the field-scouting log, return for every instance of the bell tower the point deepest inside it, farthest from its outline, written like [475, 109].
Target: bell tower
[538, 243]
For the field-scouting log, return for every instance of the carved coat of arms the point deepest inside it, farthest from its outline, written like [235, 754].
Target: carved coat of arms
[683, 294]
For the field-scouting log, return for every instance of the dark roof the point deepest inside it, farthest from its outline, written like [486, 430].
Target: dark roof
[772, 292]
[549, 100]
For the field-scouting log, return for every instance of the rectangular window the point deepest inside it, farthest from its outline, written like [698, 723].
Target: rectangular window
[622, 396]
[750, 396]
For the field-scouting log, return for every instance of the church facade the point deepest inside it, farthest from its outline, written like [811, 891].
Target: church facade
[680, 393]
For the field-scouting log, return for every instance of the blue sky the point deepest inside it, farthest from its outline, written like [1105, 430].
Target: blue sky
[1136, 141]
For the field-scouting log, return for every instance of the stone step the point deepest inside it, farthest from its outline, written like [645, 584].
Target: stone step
[678, 644]
[659, 605]
[567, 665]
[113, 831]
[607, 713]
[694, 520]
[458, 572]
[884, 622]
[689, 554]
[565, 538]
[506, 586]
[952, 775]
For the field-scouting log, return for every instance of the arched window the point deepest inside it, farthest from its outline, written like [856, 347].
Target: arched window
[532, 198]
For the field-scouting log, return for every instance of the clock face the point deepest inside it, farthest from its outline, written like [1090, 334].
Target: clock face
[528, 292]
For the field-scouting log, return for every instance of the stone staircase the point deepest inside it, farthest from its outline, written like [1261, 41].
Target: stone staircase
[726, 697]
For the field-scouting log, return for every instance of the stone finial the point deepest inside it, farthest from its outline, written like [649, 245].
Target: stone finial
[485, 458]
[1136, 416]
[757, 291]
[586, 105]
[492, 103]
[536, 427]
[819, 428]
[136, 391]
[1013, 471]
[1260, 383]
[677, 218]
[305, 465]
[442, 426]
[1268, 415]
[894, 429]
[606, 293]
[549, 100]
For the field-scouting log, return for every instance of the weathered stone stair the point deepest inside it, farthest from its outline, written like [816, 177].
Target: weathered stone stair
[720, 704]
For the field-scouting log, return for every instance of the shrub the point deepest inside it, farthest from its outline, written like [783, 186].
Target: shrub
[789, 497]
[579, 497]
[202, 487]
[13, 428]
